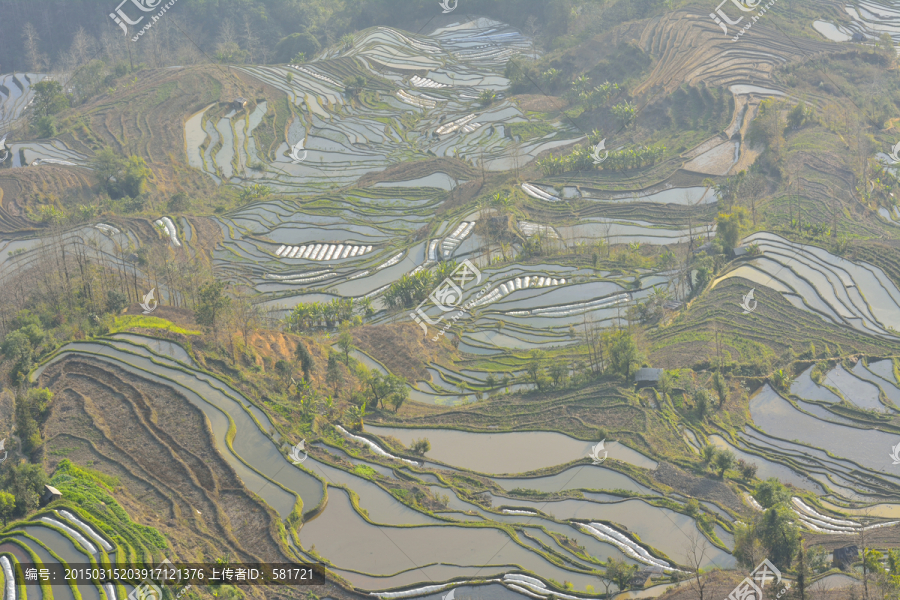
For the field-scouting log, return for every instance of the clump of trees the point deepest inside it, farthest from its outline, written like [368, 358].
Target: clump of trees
[23, 344]
[20, 490]
[410, 290]
[773, 534]
[327, 315]
[32, 410]
[730, 227]
[612, 350]
[49, 100]
[119, 176]
[582, 159]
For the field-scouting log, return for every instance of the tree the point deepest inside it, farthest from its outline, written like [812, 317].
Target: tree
[623, 352]
[180, 202]
[32, 409]
[535, 366]
[31, 40]
[106, 166]
[120, 176]
[721, 388]
[399, 392]
[782, 380]
[421, 446]
[305, 359]
[385, 389]
[25, 482]
[345, 343]
[116, 301]
[701, 403]
[354, 85]
[333, 373]
[778, 532]
[490, 381]
[695, 556]
[284, 370]
[748, 470]
[246, 315]
[134, 176]
[288, 47]
[7, 506]
[730, 227]
[771, 492]
[486, 98]
[625, 112]
[708, 453]
[48, 98]
[724, 461]
[212, 303]
[558, 372]
[620, 572]
[748, 550]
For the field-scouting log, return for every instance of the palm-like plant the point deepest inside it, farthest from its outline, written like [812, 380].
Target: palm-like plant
[782, 380]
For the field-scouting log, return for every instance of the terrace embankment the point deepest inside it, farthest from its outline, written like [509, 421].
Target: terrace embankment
[698, 487]
[161, 449]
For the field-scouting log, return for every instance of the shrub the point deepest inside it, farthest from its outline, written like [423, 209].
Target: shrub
[420, 446]
[748, 470]
[771, 492]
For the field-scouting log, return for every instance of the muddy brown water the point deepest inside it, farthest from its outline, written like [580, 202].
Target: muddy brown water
[581, 477]
[351, 543]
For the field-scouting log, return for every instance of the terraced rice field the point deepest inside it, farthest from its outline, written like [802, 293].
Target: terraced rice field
[860, 296]
[15, 96]
[162, 378]
[539, 507]
[343, 139]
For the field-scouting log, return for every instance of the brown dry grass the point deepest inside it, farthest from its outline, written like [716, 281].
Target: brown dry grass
[401, 348]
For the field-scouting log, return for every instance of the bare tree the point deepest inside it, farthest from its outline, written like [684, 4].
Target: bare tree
[82, 46]
[31, 41]
[532, 27]
[695, 555]
[245, 315]
[250, 41]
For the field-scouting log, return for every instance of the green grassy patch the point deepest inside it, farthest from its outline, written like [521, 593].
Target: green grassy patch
[126, 322]
[90, 491]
